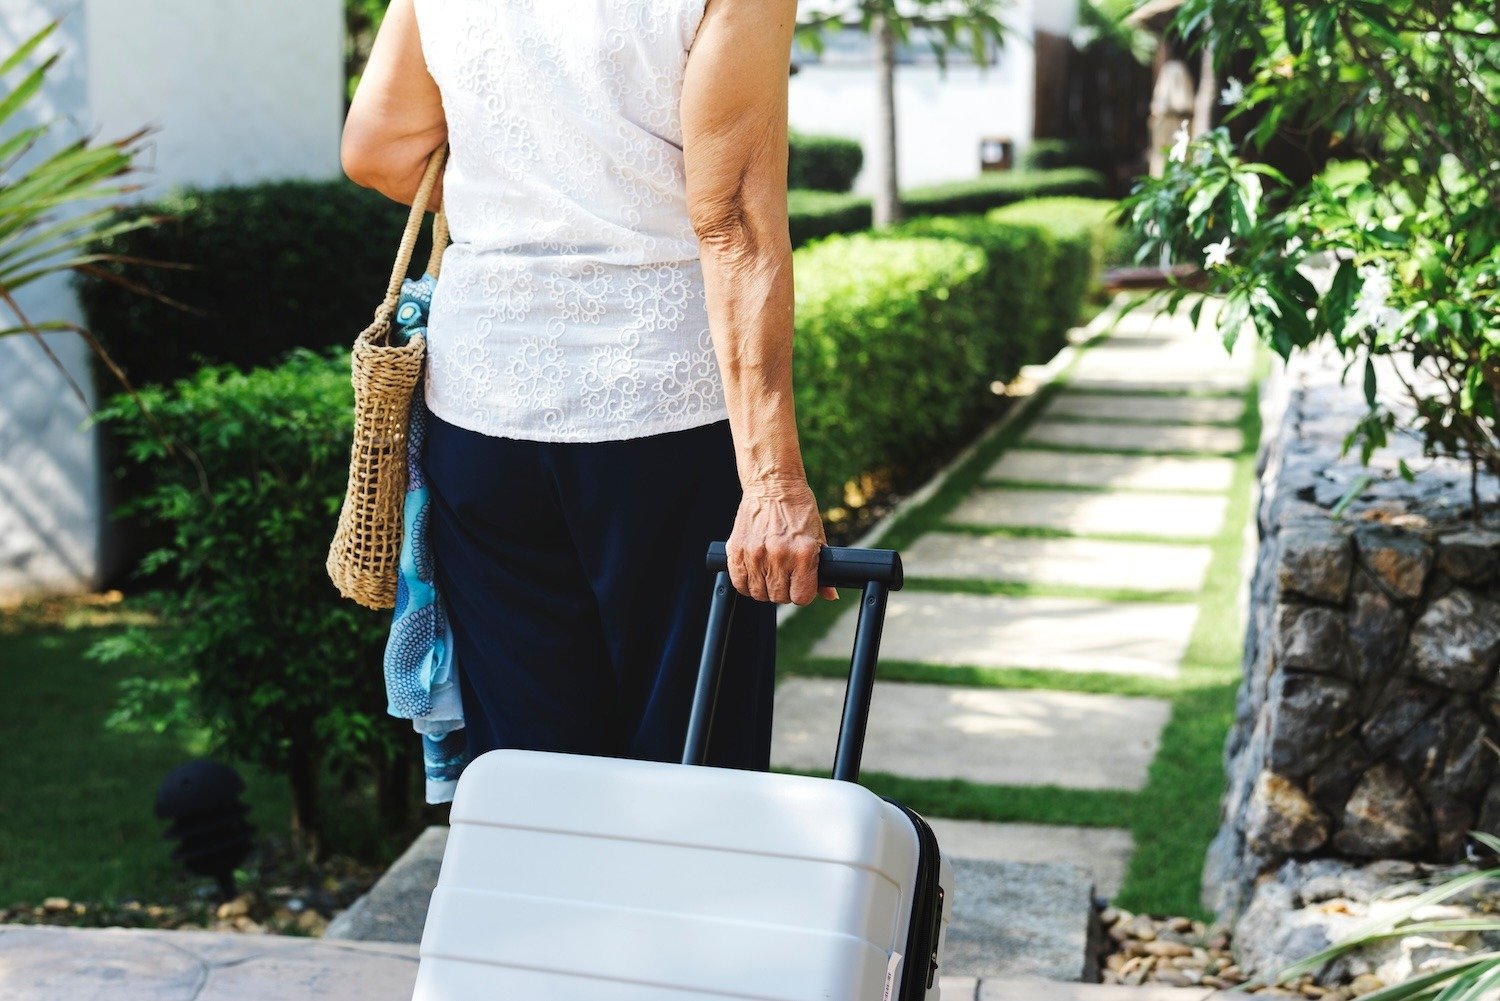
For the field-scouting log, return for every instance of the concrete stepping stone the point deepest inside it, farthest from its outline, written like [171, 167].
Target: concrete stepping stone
[1116, 437]
[1165, 382]
[991, 736]
[1020, 919]
[146, 964]
[1163, 515]
[1167, 409]
[1139, 566]
[1119, 472]
[1064, 634]
[1103, 852]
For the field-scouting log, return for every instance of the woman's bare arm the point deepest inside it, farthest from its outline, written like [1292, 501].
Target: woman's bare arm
[734, 126]
[396, 118]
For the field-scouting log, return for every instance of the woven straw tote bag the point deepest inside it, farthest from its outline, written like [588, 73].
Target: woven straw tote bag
[364, 557]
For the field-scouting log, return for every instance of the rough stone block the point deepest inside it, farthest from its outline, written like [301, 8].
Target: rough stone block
[1384, 817]
[1399, 560]
[1469, 557]
[1311, 639]
[1377, 631]
[1310, 714]
[1456, 642]
[1401, 706]
[1315, 562]
[1446, 754]
[1282, 819]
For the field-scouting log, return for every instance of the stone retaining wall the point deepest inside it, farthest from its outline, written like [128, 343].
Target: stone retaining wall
[1368, 720]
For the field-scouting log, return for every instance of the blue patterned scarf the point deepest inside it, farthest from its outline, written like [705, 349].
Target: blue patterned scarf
[421, 675]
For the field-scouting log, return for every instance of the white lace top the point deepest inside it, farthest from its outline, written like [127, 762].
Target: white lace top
[571, 305]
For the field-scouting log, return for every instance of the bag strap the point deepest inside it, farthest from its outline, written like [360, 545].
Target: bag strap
[414, 229]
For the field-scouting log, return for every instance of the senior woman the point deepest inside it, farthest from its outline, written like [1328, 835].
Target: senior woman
[609, 354]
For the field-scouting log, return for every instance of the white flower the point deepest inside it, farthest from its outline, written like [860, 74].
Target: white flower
[1180, 141]
[1153, 230]
[1371, 305]
[1216, 254]
[1292, 246]
[1233, 92]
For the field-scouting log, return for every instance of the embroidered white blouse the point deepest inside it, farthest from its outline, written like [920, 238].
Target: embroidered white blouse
[571, 304]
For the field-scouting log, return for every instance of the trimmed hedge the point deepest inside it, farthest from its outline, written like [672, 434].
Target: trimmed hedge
[1016, 260]
[815, 214]
[1075, 232]
[993, 190]
[1053, 154]
[823, 163]
[271, 267]
[889, 357]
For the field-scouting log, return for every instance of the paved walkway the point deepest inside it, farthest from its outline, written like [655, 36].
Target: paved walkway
[1082, 551]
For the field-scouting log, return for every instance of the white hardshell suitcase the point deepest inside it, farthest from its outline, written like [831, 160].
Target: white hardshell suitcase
[576, 878]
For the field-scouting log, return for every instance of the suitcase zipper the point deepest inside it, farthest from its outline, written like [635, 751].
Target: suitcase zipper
[923, 935]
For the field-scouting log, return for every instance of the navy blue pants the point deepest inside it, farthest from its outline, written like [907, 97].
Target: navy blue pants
[574, 579]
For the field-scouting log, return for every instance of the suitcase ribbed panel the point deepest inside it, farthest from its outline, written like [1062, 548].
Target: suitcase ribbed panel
[573, 878]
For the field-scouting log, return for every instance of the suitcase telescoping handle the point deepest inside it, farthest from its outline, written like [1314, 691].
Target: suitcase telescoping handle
[877, 572]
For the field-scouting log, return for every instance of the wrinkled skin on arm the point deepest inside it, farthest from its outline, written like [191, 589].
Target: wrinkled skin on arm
[734, 126]
[396, 117]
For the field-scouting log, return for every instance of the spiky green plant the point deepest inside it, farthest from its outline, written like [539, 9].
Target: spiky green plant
[1476, 978]
[46, 223]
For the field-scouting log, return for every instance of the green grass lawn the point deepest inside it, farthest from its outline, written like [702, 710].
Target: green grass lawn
[76, 800]
[1176, 815]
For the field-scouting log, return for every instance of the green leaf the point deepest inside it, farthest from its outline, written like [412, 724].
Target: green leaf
[1370, 380]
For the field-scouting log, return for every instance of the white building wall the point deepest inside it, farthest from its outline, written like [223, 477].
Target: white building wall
[239, 90]
[940, 118]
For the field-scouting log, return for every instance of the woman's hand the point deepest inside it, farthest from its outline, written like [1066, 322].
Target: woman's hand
[778, 535]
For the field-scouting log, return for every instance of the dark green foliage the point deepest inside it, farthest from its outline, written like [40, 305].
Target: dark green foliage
[269, 659]
[1074, 233]
[1014, 286]
[814, 214]
[993, 190]
[890, 352]
[273, 266]
[1055, 154]
[823, 163]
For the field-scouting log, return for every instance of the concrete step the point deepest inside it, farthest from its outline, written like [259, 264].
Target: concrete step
[1010, 918]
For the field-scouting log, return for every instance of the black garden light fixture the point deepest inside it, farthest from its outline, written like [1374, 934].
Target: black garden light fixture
[202, 799]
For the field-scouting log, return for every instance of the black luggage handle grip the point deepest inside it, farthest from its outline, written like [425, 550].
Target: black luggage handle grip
[838, 566]
[879, 572]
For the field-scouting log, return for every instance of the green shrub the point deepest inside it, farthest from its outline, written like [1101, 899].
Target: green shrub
[1015, 258]
[988, 191]
[1055, 154]
[275, 665]
[823, 163]
[814, 214]
[1075, 232]
[890, 352]
[272, 267]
